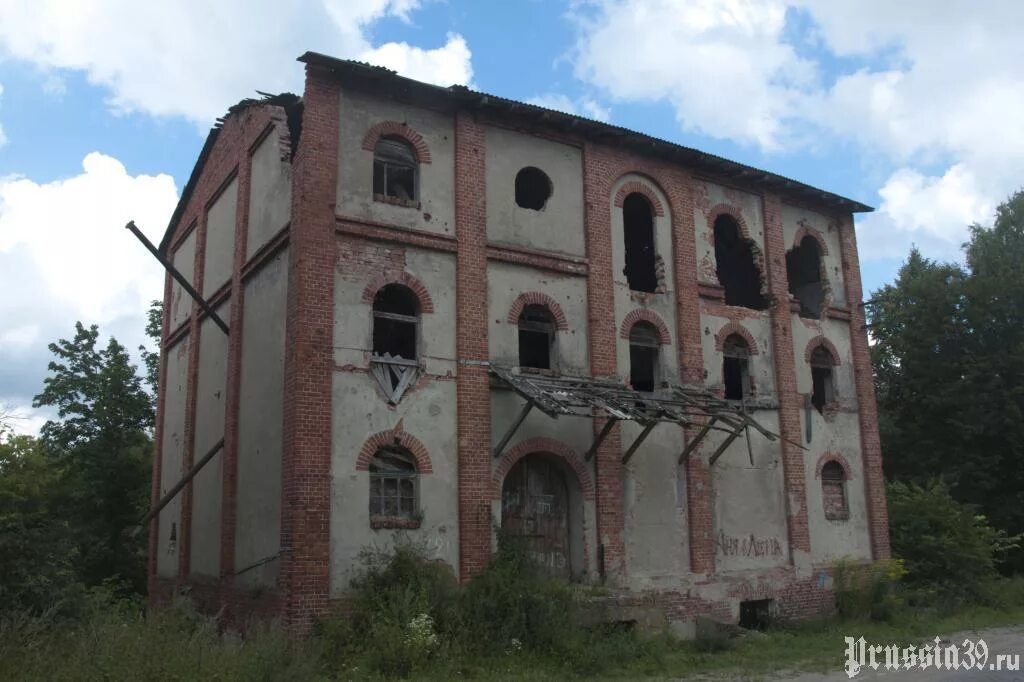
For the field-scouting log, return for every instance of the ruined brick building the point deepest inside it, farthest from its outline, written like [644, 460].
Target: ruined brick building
[449, 311]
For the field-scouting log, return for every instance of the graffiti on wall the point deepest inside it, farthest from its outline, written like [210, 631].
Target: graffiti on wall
[749, 546]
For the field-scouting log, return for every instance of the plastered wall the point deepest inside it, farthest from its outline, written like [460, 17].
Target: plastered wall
[793, 219]
[171, 465]
[209, 428]
[260, 421]
[220, 239]
[270, 196]
[709, 196]
[761, 365]
[559, 225]
[436, 209]
[184, 262]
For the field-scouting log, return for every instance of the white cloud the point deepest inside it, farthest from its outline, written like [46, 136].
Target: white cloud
[194, 58]
[3, 137]
[934, 94]
[583, 106]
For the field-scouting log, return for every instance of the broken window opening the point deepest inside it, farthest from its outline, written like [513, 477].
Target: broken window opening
[395, 319]
[736, 368]
[638, 232]
[394, 169]
[533, 188]
[822, 379]
[833, 491]
[643, 357]
[755, 614]
[536, 337]
[803, 270]
[737, 270]
[394, 484]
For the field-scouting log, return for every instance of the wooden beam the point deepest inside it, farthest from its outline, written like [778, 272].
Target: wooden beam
[181, 484]
[721, 448]
[512, 429]
[639, 439]
[605, 430]
[692, 445]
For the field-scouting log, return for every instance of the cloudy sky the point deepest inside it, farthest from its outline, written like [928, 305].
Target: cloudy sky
[913, 107]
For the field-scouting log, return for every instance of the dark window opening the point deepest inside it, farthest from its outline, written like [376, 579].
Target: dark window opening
[533, 188]
[833, 491]
[737, 271]
[643, 357]
[536, 336]
[393, 484]
[394, 169]
[823, 387]
[395, 318]
[755, 614]
[803, 270]
[638, 230]
[735, 368]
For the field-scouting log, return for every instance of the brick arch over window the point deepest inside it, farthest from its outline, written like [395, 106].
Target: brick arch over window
[538, 298]
[396, 129]
[404, 278]
[396, 436]
[644, 315]
[738, 329]
[808, 231]
[542, 446]
[636, 187]
[838, 459]
[732, 211]
[813, 344]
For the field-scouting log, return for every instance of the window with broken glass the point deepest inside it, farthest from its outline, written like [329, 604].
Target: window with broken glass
[536, 337]
[736, 368]
[394, 485]
[395, 332]
[643, 357]
[394, 170]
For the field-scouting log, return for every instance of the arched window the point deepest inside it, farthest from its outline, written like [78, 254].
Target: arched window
[394, 484]
[823, 389]
[736, 367]
[533, 188]
[833, 491]
[638, 231]
[643, 357]
[394, 169]
[536, 336]
[395, 322]
[737, 271]
[803, 270]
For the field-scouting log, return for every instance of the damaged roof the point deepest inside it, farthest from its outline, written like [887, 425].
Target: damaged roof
[363, 76]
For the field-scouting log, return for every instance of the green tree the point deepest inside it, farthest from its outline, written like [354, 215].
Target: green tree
[154, 330]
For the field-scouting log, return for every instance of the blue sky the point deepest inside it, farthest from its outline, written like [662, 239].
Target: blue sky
[104, 105]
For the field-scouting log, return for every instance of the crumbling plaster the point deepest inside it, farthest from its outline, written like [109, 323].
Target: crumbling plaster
[184, 262]
[270, 191]
[173, 452]
[795, 218]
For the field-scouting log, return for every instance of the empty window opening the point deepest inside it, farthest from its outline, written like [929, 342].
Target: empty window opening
[533, 188]
[638, 230]
[737, 271]
[394, 169]
[755, 614]
[395, 318]
[536, 337]
[643, 357]
[833, 491]
[394, 484]
[803, 270]
[736, 367]
[822, 380]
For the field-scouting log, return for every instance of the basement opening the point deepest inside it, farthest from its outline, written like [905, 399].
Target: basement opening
[803, 270]
[643, 357]
[735, 367]
[755, 614]
[533, 188]
[638, 231]
[394, 169]
[395, 319]
[737, 269]
[822, 380]
[536, 337]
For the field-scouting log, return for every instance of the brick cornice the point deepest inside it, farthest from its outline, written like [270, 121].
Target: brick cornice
[546, 446]
[396, 436]
[405, 279]
[537, 298]
[731, 328]
[636, 187]
[645, 315]
[396, 129]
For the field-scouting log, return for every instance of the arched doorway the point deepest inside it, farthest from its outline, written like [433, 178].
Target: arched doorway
[541, 507]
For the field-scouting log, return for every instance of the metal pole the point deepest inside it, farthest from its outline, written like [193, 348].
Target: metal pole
[166, 499]
[177, 276]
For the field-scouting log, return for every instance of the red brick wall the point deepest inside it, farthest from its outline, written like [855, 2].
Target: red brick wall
[871, 447]
[304, 579]
[790, 400]
[473, 393]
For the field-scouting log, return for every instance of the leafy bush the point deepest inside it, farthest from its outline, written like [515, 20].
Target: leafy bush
[867, 590]
[945, 546]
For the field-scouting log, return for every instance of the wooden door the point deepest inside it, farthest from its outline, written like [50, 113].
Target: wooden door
[535, 510]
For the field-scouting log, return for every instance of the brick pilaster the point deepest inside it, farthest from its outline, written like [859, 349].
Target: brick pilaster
[785, 378]
[306, 459]
[867, 408]
[599, 167]
[473, 398]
